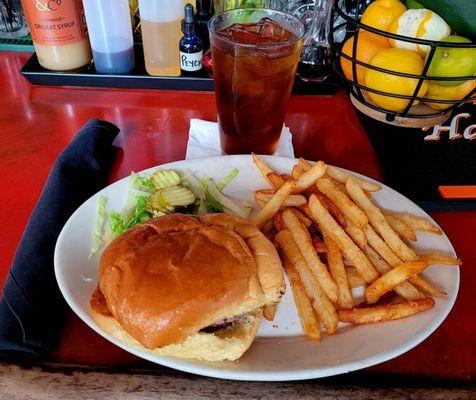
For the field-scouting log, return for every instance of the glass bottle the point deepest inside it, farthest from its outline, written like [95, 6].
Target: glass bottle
[190, 46]
[12, 20]
[315, 64]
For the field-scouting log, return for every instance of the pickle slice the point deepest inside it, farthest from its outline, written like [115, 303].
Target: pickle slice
[164, 178]
[155, 203]
[178, 196]
[164, 200]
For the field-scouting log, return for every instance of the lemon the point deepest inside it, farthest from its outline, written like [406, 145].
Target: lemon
[420, 24]
[381, 13]
[453, 61]
[367, 47]
[399, 60]
[448, 93]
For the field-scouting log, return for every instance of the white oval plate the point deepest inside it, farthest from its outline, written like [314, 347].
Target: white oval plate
[280, 351]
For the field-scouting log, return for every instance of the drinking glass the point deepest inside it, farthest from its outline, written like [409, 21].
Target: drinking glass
[12, 20]
[255, 54]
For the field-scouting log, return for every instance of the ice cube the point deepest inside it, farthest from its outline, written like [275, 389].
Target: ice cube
[272, 31]
[264, 31]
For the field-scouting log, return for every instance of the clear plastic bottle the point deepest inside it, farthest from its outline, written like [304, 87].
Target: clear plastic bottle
[110, 33]
[160, 25]
[59, 33]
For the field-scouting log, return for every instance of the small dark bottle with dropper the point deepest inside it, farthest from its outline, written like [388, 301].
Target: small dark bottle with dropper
[191, 46]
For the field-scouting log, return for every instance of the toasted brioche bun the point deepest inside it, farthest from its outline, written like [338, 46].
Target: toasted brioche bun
[227, 344]
[165, 280]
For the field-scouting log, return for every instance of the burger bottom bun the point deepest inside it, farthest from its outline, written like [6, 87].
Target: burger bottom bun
[226, 344]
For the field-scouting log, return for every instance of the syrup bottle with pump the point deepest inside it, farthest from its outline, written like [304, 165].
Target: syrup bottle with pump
[190, 45]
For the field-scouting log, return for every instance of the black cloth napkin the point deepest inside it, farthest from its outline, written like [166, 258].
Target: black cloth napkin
[32, 309]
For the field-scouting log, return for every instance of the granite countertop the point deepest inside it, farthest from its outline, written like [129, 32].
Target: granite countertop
[50, 383]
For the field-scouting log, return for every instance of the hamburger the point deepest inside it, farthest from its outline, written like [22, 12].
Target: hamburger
[188, 286]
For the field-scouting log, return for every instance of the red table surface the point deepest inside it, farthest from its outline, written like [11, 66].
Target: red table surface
[36, 123]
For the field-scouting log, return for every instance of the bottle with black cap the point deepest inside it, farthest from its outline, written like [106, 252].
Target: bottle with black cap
[191, 46]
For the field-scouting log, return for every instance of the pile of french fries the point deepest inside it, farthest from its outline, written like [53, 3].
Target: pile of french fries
[332, 237]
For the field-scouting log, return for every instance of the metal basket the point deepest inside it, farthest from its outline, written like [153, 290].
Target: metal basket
[343, 21]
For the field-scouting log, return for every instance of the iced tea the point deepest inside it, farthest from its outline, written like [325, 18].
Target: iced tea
[254, 64]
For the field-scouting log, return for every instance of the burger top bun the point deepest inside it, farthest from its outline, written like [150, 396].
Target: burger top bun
[168, 278]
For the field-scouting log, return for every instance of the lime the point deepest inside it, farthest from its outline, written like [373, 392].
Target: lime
[453, 62]
[413, 4]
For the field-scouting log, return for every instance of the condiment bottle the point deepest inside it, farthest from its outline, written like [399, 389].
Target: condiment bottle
[59, 33]
[160, 25]
[191, 46]
[110, 33]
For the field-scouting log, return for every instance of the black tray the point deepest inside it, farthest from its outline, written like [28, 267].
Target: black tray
[417, 167]
[139, 79]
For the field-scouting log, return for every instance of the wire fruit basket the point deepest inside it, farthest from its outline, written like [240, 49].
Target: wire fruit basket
[416, 113]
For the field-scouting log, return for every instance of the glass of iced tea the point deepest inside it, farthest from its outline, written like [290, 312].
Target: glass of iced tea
[255, 54]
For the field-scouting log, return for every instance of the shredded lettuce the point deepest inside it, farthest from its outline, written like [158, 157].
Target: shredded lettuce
[228, 179]
[216, 201]
[139, 186]
[116, 223]
[190, 181]
[140, 213]
[98, 225]
[202, 208]
[211, 202]
[143, 180]
[208, 195]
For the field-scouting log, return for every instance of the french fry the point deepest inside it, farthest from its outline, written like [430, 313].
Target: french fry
[416, 223]
[305, 220]
[378, 221]
[263, 168]
[296, 171]
[303, 241]
[319, 245]
[329, 205]
[309, 321]
[260, 203]
[330, 227]
[405, 289]
[323, 306]
[268, 227]
[442, 259]
[336, 172]
[425, 286]
[356, 233]
[341, 176]
[274, 204]
[376, 242]
[401, 227]
[269, 311]
[275, 180]
[393, 278]
[338, 273]
[310, 177]
[349, 263]
[304, 164]
[354, 278]
[391, 258]
[293, 200]
[345, 205]
[278, 221]
[271, 235]
[390, 312]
